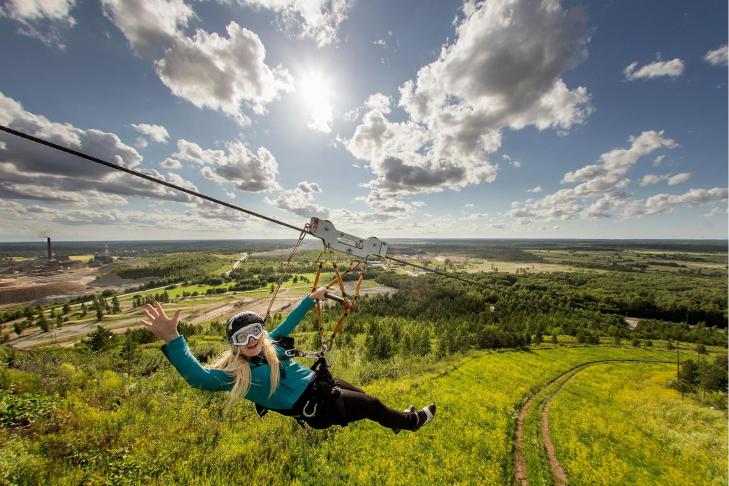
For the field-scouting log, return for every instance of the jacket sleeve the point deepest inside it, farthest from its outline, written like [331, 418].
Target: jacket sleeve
[178, 352]
[293, 319]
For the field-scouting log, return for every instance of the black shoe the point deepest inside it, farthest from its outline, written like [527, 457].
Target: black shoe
[410, 409]
[425, 416]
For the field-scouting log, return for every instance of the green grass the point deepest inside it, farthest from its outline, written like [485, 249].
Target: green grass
[157, 430]
[620, 424]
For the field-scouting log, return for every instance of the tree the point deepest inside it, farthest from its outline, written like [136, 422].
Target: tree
[17, 328]
[43, 323]
[66, 308]
[99, 339]
[554, 339]
[689, 373]
[99, 313]
[83, 309]
[59, 321]
[129, 353]
[115, 306]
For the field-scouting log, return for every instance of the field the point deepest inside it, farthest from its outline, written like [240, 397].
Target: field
[536, 371]
[99, 431]
[622, 421]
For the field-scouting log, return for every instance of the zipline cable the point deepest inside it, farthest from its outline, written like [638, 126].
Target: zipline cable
[303, 230]
[142, 175]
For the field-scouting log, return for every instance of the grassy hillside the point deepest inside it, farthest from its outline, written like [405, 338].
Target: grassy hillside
[78, 420]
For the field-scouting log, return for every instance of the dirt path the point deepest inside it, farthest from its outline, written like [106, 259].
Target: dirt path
[559, 476]
[519, 463]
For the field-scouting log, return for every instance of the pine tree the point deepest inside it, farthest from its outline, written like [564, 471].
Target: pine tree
[99, 339]
[115, 306]
[99, 313]
[43, 323]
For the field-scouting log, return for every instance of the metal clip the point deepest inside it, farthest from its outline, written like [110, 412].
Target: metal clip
[309, 414]
[344, 242]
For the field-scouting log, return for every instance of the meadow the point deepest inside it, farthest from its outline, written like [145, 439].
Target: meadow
[91, 423]
[111, 410]
[617, 423]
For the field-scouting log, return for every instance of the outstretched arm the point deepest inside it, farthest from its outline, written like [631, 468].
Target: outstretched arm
[177, 351]
[296, 315]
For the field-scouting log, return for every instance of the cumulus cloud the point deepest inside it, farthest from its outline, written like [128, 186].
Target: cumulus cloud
[44, 20]
[512, 162]
[649, 179]
[300, 201]
[494, 75]
[535, 189]
[222, 72]
[156, 133]
[672, 68]
[664, 203]
[149, 25]
[600, 187]
[717, 57]
[32, 171]
[315, 19]
[672, 179]
[657, 161]
[679, 178]
[170, 163]
[248, 171]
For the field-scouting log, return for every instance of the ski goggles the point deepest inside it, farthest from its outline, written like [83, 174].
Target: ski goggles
[244, 335]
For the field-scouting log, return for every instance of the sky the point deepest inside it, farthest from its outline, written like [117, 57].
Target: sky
[413, 118]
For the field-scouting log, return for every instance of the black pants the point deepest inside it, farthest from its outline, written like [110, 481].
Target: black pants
[356, 405]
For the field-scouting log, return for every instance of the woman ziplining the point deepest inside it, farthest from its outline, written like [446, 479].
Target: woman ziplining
[257, 367]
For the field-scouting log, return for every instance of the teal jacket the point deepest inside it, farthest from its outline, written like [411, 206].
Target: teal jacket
[294, 377]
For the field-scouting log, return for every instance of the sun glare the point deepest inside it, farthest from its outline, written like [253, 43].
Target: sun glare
[315, 91]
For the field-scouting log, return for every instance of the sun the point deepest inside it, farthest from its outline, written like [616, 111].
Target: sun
[315, 90]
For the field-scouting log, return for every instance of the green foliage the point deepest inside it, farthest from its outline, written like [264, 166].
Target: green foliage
[99, 339]
[175, 267]
[23, 409]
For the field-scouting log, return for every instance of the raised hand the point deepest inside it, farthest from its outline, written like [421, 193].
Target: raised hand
[318, 294]
[159, 323]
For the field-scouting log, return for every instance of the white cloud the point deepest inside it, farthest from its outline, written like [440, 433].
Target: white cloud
[315, 19]
[222, 73]
[459, 104]
[653, 179]
[300, 201]
[149, 25]
[657, 161]
[32, 171]
[141, 143]
[42, 19]
[156, 133]
[717, 57]
[670, 178]
[253, 172]
[717, 211]
[512, 162]
[535, 189]
[672, 68]
[170, 163]
[679, 178]
[599, 192]
[663, 203]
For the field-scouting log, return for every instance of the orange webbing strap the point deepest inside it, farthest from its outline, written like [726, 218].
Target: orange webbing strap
[319, 319]
[349, 305]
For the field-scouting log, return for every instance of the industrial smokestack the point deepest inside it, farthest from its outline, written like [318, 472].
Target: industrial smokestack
[50, 254]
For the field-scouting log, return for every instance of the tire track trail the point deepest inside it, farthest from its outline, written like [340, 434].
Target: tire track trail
[559, 476]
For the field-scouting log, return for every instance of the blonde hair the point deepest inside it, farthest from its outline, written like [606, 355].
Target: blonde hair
[236, 364]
